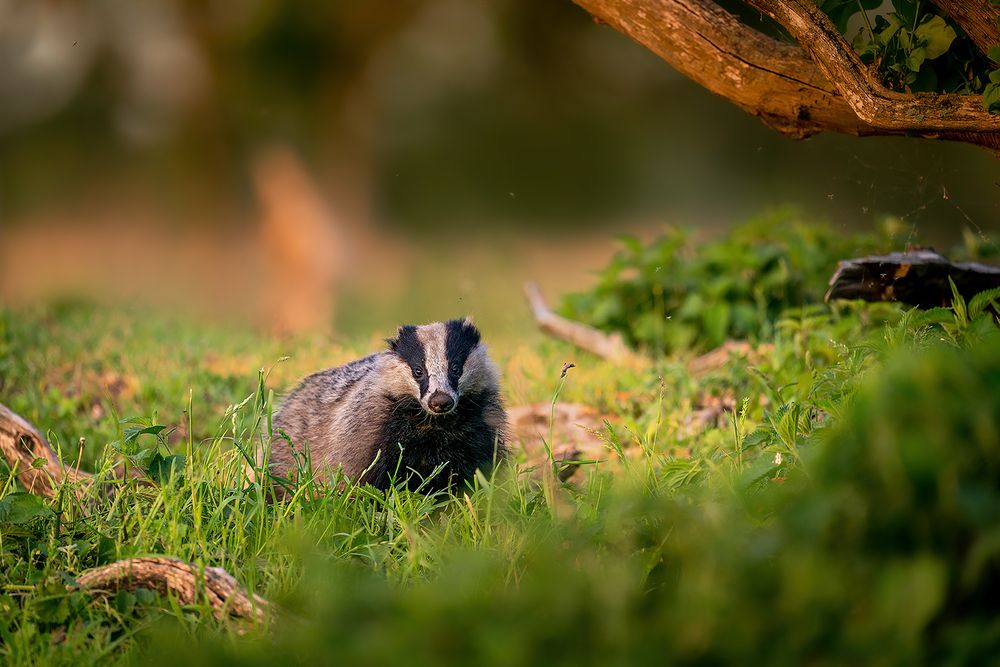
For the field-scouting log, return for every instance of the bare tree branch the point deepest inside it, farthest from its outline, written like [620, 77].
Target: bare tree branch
[606, 346]
[978, 18]
[775, 81]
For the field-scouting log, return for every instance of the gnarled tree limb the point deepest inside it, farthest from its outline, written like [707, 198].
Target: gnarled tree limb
[778, 82]
[770, 79]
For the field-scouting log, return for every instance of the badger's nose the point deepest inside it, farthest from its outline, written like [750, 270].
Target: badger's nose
[440, 402]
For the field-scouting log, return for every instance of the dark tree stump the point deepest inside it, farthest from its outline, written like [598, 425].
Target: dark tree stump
[918, 278]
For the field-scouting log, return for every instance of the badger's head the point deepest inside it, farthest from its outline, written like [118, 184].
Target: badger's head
[445, 361]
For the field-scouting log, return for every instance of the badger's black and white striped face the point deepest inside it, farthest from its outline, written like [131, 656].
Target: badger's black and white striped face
[447, 360]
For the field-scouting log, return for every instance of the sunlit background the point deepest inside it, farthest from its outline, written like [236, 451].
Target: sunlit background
[349, 164]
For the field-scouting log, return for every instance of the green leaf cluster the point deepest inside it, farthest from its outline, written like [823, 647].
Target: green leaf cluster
[156, 467]
[673, 294]
[916, 48]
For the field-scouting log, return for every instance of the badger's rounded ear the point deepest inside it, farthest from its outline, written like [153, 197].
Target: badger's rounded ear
[393, 342]
[407, 330]
[469, 330]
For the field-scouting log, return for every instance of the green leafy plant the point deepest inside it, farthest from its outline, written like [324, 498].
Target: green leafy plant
[673, 294]
[916, 48]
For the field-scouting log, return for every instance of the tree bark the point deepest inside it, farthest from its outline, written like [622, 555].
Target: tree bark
[918, 278]
[782, 83]
[21, 445]
[183, 580]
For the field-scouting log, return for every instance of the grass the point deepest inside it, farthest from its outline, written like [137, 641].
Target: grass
[843, 510]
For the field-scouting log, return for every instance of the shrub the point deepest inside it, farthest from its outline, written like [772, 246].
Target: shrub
[673, 294]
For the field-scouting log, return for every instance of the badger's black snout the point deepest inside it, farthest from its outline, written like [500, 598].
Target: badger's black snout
[440, 402]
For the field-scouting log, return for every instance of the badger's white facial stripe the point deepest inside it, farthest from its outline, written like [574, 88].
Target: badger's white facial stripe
[433, 338]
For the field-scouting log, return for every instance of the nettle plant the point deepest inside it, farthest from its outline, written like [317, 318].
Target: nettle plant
[917, 49]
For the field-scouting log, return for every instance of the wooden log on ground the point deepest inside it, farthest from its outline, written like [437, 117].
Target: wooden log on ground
[182, 580]
[918, 278]
[22, 445]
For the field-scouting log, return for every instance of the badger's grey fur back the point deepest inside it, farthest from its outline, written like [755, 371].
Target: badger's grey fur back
[432, 399]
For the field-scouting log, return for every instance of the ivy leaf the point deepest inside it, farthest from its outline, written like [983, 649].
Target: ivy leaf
[991, 96]
[841, 11]
[134, 432]
[892, 26]
[19, 508]
[161, 467]
[994, 54]
[936, 35]
[916, 59]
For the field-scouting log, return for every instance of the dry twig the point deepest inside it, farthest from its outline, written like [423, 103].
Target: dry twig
[606, 346]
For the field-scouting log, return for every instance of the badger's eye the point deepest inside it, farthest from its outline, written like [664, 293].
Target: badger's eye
[456, 369]
[417, 373]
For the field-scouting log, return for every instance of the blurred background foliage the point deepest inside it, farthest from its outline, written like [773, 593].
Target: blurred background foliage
[431, 115]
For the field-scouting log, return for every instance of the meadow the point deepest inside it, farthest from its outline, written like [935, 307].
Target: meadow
[838, 504]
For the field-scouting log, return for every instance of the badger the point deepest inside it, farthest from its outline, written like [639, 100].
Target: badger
[426, 410]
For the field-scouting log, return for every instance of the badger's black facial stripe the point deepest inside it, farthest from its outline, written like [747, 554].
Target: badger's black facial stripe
[408, 347]
[461, 339]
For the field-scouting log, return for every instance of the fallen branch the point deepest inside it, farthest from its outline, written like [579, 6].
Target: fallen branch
[22, 445]
[606, 346]
[180, 579]
[918, 278]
